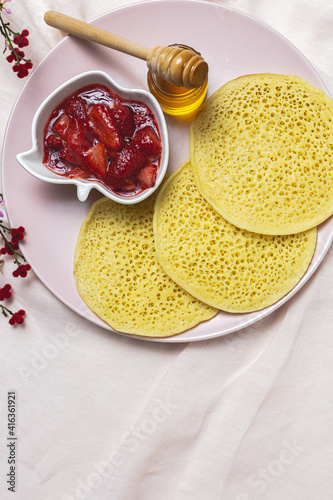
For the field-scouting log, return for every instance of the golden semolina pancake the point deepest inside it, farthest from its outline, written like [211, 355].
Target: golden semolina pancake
[229, 268]
[119, 277]
[262, 153]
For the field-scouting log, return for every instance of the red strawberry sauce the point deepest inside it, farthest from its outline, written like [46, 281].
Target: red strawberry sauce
[94, 134]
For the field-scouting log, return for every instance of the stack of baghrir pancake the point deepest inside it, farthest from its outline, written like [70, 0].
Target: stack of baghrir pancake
[233, 229]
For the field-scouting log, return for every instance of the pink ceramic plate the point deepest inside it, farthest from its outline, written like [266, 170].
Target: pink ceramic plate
[232, 43]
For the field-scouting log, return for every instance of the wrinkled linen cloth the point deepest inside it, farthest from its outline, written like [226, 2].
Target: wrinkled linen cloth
[245, 416]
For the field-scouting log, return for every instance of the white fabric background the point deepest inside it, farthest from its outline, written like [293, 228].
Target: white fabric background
[243, 417]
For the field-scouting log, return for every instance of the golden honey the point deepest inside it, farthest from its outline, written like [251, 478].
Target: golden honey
[174, 100]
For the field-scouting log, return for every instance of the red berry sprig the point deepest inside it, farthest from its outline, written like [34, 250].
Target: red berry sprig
[5, 292]
[17, 317]
[11, 247]
[22, 270]
[15, 41]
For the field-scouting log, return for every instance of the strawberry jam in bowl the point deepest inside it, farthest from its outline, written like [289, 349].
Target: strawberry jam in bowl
[93, 133]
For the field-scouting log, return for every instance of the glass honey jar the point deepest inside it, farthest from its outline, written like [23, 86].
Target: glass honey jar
[175, 100]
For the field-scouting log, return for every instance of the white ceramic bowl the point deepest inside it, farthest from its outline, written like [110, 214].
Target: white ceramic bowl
[31, 160]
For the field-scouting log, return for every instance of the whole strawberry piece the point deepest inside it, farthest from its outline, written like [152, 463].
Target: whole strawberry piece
[124, 118]
[103, 126]
[54, 142]
[148, 142]
[125, 168]
[76, 108]
[76, 143]
[147, 176]
[61, 125]
[96, 159]
[143, 116]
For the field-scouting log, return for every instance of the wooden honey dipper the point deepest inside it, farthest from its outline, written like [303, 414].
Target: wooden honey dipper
[180, 65]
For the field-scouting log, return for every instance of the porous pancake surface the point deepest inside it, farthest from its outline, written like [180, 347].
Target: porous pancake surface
[262, 153]
[227, 267]
[119, 277]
